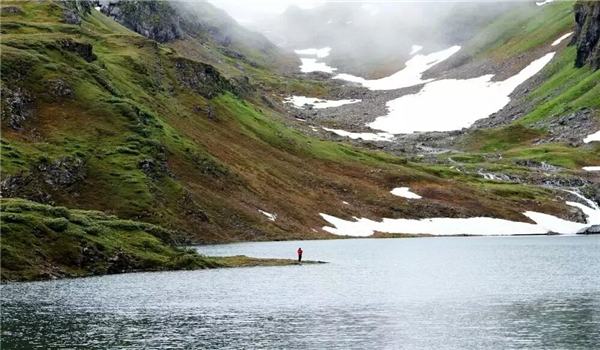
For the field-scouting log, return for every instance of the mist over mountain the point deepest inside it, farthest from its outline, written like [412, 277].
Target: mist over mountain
[375, 39]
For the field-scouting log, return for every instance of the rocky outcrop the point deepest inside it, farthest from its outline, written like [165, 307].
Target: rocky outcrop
[202, 78]
[59, 89]
[75, 11]
[64, 172]
[83, 50]
[155, 168]
[587, 34]
[11, 10]
[570, 129]
[157, 20]
[592, 230]
[17, 107]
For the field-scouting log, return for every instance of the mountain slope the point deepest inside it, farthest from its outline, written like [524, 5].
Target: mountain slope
[98, 117]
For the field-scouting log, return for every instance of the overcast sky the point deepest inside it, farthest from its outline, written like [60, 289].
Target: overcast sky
[246, 11]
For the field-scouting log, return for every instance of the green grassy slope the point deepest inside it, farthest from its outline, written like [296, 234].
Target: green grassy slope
[40, 241]
[563, 91]
[143, 133]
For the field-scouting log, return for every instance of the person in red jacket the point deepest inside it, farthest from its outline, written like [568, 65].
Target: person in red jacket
[300, 254]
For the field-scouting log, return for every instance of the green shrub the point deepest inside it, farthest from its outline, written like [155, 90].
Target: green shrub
[60, 212]
[96, 230]
[80, 220]
[57, 224]
[11, 217]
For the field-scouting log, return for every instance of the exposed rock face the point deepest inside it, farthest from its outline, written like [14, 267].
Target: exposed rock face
[24, 185]
[60, 89]
[587, 34]
[83, 50]
[64, 172]
[592, 230]
[71, 17]
[241, 86]
[156, 20]
[18, 107]
[202, 78]
[570, 129]
[155, 168]
[11, 9]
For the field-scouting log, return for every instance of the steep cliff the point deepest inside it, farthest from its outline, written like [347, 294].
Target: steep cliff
[587, 34]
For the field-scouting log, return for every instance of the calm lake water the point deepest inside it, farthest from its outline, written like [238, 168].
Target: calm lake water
[429, 293]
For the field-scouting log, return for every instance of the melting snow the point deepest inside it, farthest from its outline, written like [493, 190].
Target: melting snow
[404, 192]
[451, 104]
[311, 65]
[270, 216]
[415, 49]
[97, 8]
[367, 136]
[301, 101]
[324, 52]
[559, 40]
[451, 226]
[591, 168]
[482, 226]
[592, 137]
[542, 3]
[409, 76]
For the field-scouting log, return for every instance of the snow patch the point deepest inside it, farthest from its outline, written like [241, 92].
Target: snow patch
[559, 40]
[270, 216]
[542, 3]
[311, 65]
[409, 76]
[346, 203]
[592, 137]
[97, 8]
[366, 136]
[324, 52]
[301, 101]
[481, 226]
[591, 168]
[404, 192]
[415, 49]
[460, 102]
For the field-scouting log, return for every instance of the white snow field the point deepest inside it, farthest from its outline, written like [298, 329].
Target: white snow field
[559, 40]
[409, 76]
[592, 137]
[317, 103]
[320, 53]
[366, 136]
[460, 102]
[405, 192]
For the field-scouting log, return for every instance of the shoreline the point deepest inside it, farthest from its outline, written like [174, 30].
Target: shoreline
[220, 262]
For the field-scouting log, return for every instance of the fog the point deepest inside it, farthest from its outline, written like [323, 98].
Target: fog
[368, 39]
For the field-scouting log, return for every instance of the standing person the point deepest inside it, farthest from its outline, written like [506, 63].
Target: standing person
[300, 254]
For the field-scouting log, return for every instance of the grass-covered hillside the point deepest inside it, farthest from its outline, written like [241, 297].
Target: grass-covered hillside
[41, 241]
[98, 117]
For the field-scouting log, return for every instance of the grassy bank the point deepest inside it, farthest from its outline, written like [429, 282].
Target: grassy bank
[42, 242]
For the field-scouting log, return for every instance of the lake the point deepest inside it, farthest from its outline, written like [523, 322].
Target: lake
[422, 293]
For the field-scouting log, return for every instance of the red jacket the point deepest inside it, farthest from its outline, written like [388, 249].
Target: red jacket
[300, 252]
